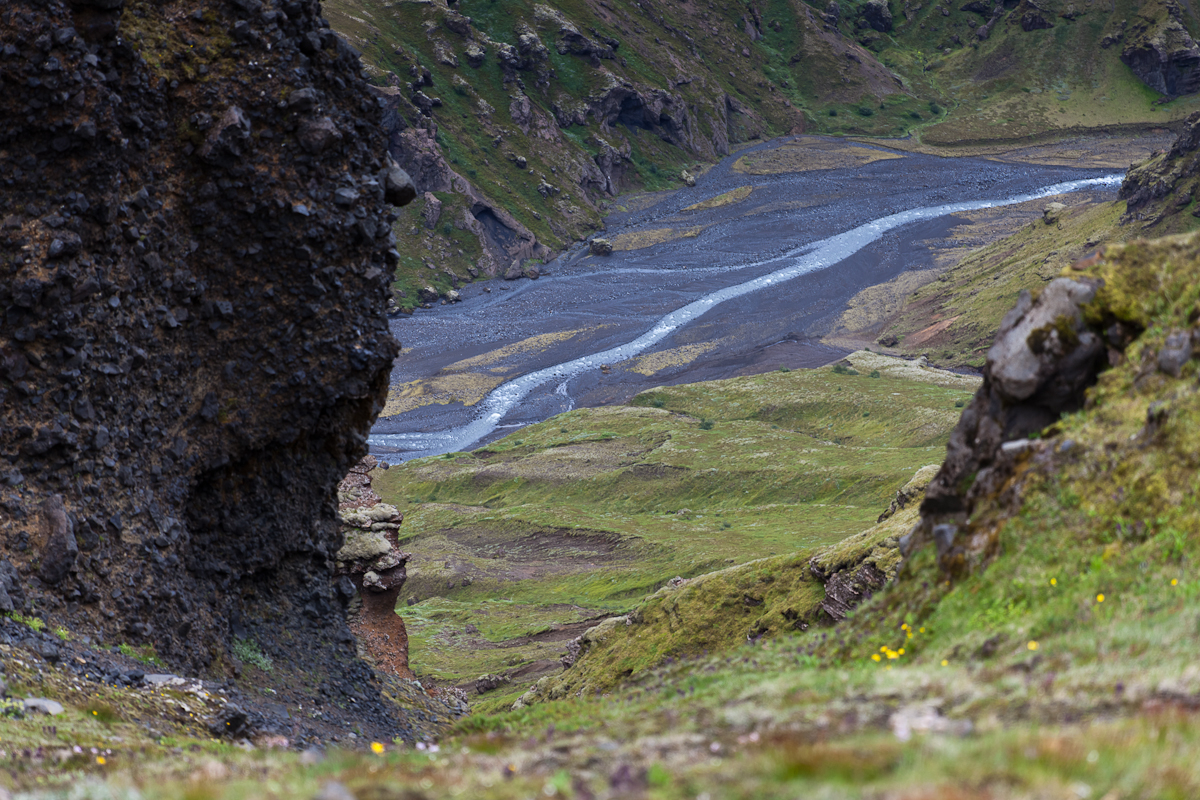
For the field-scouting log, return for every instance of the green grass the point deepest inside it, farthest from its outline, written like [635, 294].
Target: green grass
[249, 652]
[979, 290]
[143, 653]
[585, 514]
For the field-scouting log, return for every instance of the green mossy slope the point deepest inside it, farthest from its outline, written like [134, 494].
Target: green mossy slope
[583, 515]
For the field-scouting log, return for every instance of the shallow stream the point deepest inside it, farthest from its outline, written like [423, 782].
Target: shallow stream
[491, 412]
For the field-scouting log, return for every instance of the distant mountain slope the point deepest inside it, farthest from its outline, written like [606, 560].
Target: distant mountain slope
[519, 120]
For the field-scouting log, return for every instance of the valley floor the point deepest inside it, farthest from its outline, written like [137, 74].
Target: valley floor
[741, 220]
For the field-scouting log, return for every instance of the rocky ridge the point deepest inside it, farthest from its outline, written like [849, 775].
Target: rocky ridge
[1157, 191]
[194, 261]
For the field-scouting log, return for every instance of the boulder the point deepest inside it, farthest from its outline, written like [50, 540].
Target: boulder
[397, 186]
[475, 54]
[1043, 359]
[600, 247]
[876, 14]
[59, 549]
[1052, 212]
[1031, 16]
[42, 705]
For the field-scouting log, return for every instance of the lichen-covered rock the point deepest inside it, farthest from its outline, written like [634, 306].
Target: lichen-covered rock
[363, 546]
[195, 252]
[1043, 360]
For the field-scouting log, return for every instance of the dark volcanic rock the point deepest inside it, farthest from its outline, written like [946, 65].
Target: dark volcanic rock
[877, 15]
[194, 341]
[59, 548]
[1163, 55]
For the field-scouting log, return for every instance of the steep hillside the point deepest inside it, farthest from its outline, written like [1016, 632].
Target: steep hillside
[520, 121]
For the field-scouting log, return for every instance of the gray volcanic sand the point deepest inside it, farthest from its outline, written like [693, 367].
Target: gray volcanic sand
[612, 300]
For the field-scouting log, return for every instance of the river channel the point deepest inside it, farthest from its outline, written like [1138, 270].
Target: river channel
[695, 294]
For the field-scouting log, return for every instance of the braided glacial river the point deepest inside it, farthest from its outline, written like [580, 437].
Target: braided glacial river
[491, 412]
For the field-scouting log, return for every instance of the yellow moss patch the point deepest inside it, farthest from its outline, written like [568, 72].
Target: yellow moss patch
[651, 363]
[466, 388]
[532, 344]
[636, 240]
[729, 198]
[867, 362]
[808, 154]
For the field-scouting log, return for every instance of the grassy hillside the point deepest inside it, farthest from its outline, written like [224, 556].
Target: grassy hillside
[581, 516]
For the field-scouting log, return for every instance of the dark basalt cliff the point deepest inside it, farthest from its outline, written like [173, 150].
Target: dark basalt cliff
[195, 251]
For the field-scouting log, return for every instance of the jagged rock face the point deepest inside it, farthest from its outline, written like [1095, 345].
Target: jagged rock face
[194, 262]
[1163, 55]
[1044, 359]
[1162, 186]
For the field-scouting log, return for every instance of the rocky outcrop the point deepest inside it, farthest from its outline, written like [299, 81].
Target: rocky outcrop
[1030, 16]
[569, 40]
[416, 150]
[875, 14]
[1162, 54]
[1043, 360]
[370, 557]
[195, 252]
[600, 247]
[1158, 189]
